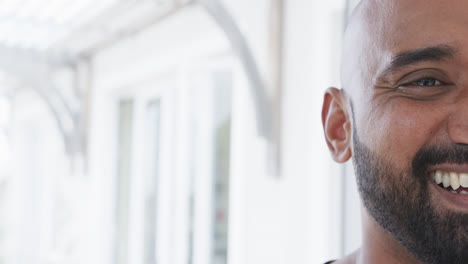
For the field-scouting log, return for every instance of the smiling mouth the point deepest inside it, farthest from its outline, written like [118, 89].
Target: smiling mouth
[454, 182]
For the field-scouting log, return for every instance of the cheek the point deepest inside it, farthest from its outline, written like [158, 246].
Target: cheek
[398, 131]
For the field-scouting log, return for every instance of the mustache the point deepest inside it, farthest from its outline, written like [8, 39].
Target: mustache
[437, 154]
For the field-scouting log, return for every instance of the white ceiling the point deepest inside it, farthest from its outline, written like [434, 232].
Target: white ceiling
[71, 27]
[36, 24]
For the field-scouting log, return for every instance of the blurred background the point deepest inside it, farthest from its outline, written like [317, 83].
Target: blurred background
[171, 132]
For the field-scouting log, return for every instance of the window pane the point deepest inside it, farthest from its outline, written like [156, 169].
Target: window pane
[151, 180]
[222, 121]
[210, 139]
[123, 181]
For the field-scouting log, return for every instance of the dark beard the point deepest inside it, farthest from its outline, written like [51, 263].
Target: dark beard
[399, 201]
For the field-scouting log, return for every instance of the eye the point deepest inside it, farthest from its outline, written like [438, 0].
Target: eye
[425, 84]
[428, 82]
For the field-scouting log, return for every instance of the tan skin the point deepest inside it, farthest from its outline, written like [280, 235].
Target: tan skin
[399, 111]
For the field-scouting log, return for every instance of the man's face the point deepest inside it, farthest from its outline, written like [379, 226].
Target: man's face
[409, 97]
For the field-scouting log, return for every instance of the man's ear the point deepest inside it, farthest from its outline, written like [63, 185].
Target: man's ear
[336, 125]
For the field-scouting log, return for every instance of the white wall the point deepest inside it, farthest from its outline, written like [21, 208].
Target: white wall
[38, 164]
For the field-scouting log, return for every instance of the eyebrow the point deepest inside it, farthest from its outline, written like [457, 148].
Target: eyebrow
[407, 58]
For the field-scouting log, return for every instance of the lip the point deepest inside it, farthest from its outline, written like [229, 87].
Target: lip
[458, 168]
[458, 202]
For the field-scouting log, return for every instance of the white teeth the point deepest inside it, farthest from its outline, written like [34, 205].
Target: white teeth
[452, 191]
[446, 180]
[451, 179]
[438, 177]
[464, 179]
[454, 180]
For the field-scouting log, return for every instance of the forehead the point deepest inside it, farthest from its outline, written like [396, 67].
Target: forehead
[414, 24]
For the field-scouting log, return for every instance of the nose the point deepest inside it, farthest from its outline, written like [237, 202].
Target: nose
[458, 122]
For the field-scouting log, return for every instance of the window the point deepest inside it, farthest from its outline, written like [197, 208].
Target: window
[151, 181]
[123, 181]
[210, 163]
[222, 138]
